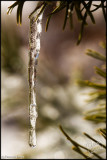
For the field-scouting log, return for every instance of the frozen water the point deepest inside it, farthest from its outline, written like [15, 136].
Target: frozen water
[34, 44]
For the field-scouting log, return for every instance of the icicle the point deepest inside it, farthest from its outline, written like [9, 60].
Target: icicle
[34, 44]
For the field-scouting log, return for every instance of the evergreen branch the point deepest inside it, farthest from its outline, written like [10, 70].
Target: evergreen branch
[97, 115]
[19, 12]
[70, 20]
[100, 109]
[63, 4]
[100, 72]
[84, 7]
[88, 11]
[104, 13]
[66, 135]
[76, 148]
[91, 84]
[21, 7]
[95, 119]
[57, 9]
[47, 23]
[84, 20]
[10, 8]
[97, 7]
[103, 45]
[66, 15]
[82, 28]
[36, 9]
[78, 11]
[103, 132]
[98, 95]
[102, 145]
[95, 54]
[98, 118]
[71, 16]
[42, 10]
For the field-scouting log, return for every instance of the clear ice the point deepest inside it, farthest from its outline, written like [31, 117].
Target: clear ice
[34, 45]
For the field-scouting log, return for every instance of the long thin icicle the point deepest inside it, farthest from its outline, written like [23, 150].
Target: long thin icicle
[34, 45]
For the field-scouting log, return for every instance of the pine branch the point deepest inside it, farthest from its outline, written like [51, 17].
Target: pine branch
[100, 72]
[96, 55]
[79, 6]
[87, 83]
[98, 114]
[102, 145]
[102, 132]
[76, 146]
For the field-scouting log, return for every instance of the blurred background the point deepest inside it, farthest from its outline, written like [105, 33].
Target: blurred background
[59, 99]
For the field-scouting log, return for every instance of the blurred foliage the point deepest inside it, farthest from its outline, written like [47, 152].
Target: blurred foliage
[82, 9]
[10, 57]
[98, 114]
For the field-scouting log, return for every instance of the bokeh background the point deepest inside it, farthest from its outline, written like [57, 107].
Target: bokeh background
[59, 99]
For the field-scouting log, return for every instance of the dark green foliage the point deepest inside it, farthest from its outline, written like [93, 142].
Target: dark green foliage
[82, 9]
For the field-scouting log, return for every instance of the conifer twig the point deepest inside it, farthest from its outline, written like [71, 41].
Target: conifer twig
[78, 145]
[102, 145]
